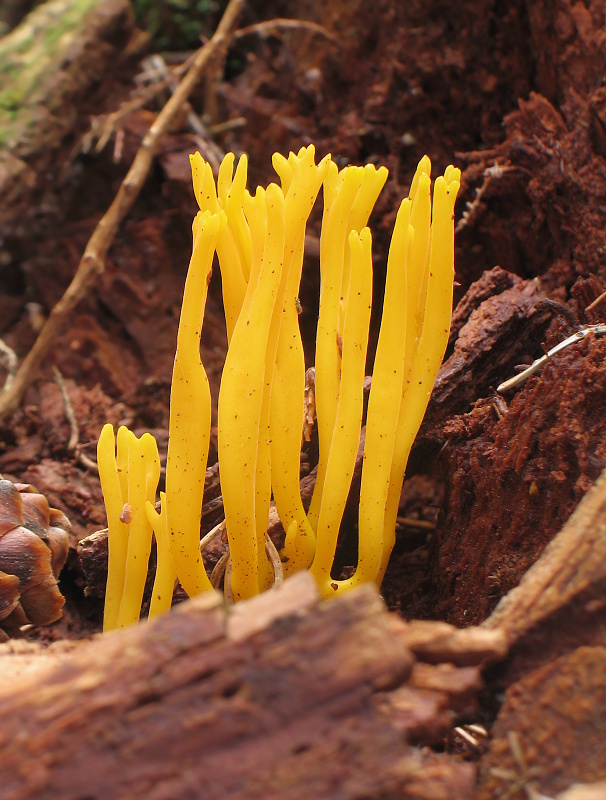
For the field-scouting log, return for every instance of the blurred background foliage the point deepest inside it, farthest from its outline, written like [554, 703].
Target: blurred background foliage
[178, 24]
[12, 12]
[172, 24]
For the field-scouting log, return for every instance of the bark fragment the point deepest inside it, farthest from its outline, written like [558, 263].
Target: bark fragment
[548, 734]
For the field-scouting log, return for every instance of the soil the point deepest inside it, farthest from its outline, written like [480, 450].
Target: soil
[512, 93]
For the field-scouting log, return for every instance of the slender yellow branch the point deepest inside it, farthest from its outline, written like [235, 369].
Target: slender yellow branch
[431, 348]
[143, 475]
[232, 277]
[340, 190]
[164, 581]
[301, 180]
[371, 184]
[190, 410]
[384, 404]
[348, 421]
[240, 402]
[117, 532]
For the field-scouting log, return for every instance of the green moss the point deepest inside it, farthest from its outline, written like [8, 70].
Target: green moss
[28, 55]
[10, 101]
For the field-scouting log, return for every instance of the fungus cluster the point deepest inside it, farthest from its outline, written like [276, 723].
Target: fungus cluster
[259, 241]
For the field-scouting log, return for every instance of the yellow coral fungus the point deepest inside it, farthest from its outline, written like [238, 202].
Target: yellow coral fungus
[301, 180]
[340, 190]
[412, 341]
[164, 581]
[348, 417]
[190, 409]
[128, 482]
[240, 403]
[230, 250]
[259, 239]
[433, 330]
[384, 401]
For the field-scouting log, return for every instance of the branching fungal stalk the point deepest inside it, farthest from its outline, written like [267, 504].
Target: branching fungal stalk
[240, 404]
[190, 410]
[301, 180]
[259, 240]
[128, 480]
[348, 418]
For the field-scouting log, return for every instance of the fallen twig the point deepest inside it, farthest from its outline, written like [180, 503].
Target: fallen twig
[9, 360]
[596, 302]
[92, 263]
[73, 444]
[471, 207]
[74, 437]
[210, 151]
[419, 524]
[271, 26]
[598, 330]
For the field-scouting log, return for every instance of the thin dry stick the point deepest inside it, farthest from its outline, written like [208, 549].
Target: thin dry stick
[471, 208]
[9, 357]
[271, 26]
[92, 263]
[104, 127]
[69, 412]
[596, 302]
[73, 445]
[597, 330]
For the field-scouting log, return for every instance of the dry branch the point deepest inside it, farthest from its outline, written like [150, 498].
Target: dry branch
[273, 27]
[92, 263]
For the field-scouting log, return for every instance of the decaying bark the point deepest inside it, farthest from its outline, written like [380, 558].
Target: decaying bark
[514, 473]
[499, 323]
[561, 601]
[549, 733]
[282, 696]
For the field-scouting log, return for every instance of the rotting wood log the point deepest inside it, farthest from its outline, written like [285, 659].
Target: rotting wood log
[283, 695]
[48, 65]
[549, 733]
[560, 602]
[513, 477]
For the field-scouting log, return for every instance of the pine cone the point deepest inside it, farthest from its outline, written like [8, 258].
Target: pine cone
[34, 542]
